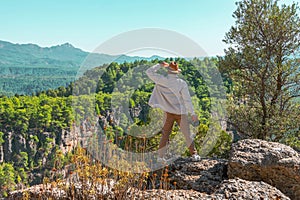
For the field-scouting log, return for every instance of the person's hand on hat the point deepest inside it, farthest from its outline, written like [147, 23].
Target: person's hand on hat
[195, 118]
[164, 64]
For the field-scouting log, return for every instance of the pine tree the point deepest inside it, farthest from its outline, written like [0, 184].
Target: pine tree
[262, 62]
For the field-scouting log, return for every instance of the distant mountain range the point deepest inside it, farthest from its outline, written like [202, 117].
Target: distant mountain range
[26, 68]
[65, 55]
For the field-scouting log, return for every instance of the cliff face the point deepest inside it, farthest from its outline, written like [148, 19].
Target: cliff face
[35, 150]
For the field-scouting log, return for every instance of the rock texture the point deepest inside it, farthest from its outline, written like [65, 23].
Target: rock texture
[209, 178]
[173, 194]
[37, 148]
[201, 176]
[273, 163]
[248, 190]
[206, 179]
[255, 170]
[229, 189]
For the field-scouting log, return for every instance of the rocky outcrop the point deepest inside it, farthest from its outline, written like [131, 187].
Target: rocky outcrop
[7, 146]
[201, 176]
[273, 163]
[1, 154]
[255, 170]
[209, 178]
[39, 191]
[173, 194]
[39, 147]
[206, 179]
[229, 189]
[248, 190]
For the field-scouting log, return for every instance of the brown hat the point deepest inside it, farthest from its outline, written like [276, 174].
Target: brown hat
[173, 68]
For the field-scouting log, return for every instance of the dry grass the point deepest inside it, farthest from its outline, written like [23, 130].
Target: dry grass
[87, 178]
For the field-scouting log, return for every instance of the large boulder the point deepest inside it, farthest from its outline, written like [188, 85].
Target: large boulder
[248, 190]
[202, 176]
[207, 179]
[273, 163]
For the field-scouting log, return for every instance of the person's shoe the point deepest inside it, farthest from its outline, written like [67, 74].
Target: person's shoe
[161, 160]
[196, 157]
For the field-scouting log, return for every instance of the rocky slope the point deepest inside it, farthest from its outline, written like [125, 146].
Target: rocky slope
[256, 169]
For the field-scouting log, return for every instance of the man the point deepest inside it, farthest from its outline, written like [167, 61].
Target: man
[171, 94]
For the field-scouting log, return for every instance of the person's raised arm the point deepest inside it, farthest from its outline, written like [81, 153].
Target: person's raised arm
[152, 72]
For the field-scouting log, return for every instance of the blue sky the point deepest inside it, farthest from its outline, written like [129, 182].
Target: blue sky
[87, 23]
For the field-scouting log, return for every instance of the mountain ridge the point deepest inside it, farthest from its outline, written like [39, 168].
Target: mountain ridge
[65, 51]
[28, 68]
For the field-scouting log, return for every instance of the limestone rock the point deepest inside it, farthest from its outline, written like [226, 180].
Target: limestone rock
[248, 190]
[173, 194]
[202, 176]
[273, 163]
[255, 170]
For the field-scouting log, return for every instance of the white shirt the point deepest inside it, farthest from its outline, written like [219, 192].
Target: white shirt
[170, 93]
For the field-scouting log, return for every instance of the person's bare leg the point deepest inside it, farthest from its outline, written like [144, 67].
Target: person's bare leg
[166, 131]
[182, 121]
